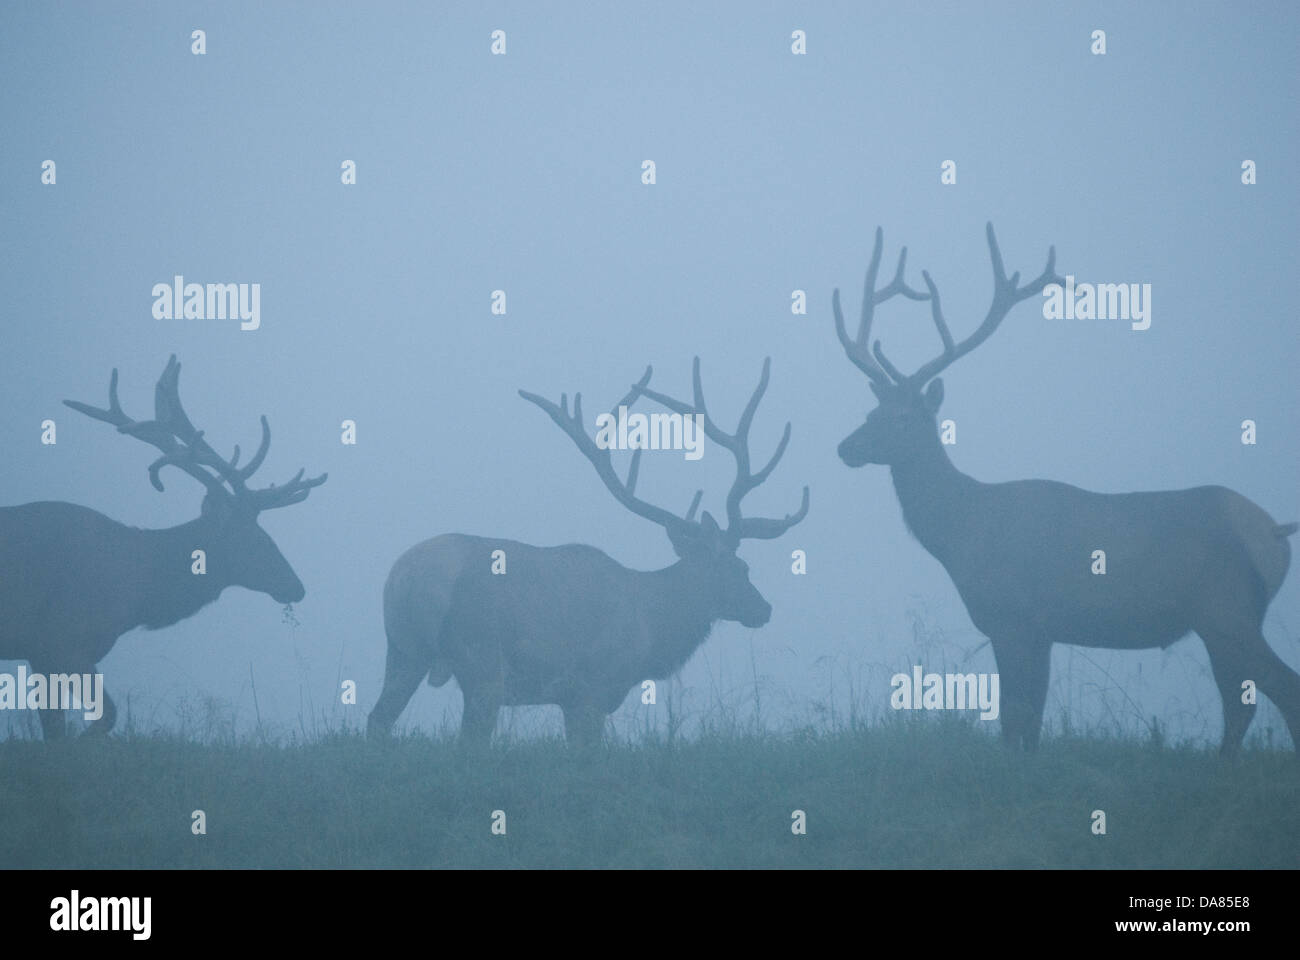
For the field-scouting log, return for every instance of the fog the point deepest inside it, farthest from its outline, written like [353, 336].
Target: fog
[523, 173]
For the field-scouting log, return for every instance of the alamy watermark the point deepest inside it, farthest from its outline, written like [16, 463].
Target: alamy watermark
[1100, 301]
[55, 691]
[655, 431]
[179, 300]
[946, 691]
[75, 913]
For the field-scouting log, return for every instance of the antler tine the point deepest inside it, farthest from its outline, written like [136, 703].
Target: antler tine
[170, 413]
[1009, 289]
[738, 526]
[711, 429]
[776, 457]
[695, 505]
[747, 415]
[114, 414]
[633, 471]
[732, 441]
[251, 467]
[738, 444]
[184, 447]
[113, 405]
[273, 497]
[861, 359]
[936, 312]
[152, 432]
[898, 286]
[895, 374]
[637, 390]
[167, 406]
[761, 528]
[600, 458]
[181, 460]
[1006, 294]
[859, 349]
[869, 290]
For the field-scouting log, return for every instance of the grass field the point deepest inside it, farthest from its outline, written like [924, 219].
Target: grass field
[899, 794]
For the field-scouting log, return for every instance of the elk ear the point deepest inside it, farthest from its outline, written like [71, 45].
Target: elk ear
[715, 540]
[685, 540]
[934, 395]
[875, 388]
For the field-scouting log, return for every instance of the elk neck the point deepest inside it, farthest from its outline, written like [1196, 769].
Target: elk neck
[678, 615]
[935, 496]
[167, 590]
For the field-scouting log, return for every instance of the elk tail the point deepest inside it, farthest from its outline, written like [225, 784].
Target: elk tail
[1284, 530]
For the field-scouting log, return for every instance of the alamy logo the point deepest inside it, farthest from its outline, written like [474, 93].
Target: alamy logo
[102, 913]
[656, 431]
[946, 691]
[55, 691]
[1101, 301]
[179, 300]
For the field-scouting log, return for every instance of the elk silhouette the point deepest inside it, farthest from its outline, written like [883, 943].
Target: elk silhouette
[75, 581]
[1204, 559]
[568, 625]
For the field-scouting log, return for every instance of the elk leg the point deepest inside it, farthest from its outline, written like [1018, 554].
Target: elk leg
[102, 725]
[402, 675]
[584, 725]
[1024, 667]
[1040, 669]
[1279, 682]
[54, 724]
[482, 702]
[1228, 662]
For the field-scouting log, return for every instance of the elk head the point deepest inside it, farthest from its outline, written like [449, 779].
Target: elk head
[902, 426]
[239, 551]
[707, 551]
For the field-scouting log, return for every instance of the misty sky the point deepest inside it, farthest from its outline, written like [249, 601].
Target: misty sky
[523, 172]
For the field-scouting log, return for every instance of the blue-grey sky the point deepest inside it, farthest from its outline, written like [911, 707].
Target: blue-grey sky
[523, 173]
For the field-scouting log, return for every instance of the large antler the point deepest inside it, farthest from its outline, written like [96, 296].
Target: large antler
[738, 527]
[600, 457]
[1007, 292]
[183, 446]
[859, 348]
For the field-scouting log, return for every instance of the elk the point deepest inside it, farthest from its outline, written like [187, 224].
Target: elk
[75, 581]
[1203, 559]
[568, 625]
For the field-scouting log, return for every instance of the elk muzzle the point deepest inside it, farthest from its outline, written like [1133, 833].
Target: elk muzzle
[853, 449]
